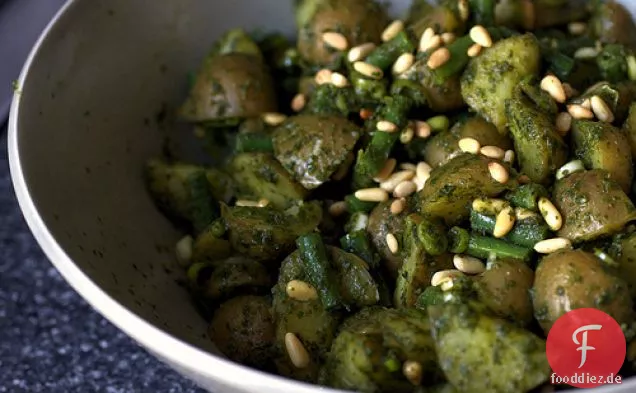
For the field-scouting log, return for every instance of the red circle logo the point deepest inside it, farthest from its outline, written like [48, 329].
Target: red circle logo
[586, 348]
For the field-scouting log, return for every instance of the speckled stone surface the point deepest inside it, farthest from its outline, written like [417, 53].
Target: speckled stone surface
[50, 339]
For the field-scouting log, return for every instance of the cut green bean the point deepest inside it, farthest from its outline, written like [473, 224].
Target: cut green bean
[254, 142]
[458, 240]
[358, 243]
[527, 196]
[433, 236]
[318, 269]
[203, 208]
[385, 55]
[458, 60]
[355, 205]
[431, 296]
[483, 12]
[561, 65]
[525, 233]
[484, 247]
[369, 91]
[328, 99]
[611, 63]
[439, 123]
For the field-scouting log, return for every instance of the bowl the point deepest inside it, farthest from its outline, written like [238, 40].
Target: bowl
[93, 103]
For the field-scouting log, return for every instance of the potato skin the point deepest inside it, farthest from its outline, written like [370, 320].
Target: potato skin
[243, 330]
[381, 223]
[567, 280]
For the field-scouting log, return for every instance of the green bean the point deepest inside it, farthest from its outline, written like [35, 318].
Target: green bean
[203, 208]
[358, 243]
[328, 99]
[458, 240]
[385, 55]
[458, 60]
[527, 196]
[217, 228]
[408, 88]
[611, 63]
[483, 12]
[433, 236]
[561, 65]
[431, 296]
[439, 123]
[483, 247]
[254, 142]
[355, 205]
[526, 232]
[369, 91]
[318, 269]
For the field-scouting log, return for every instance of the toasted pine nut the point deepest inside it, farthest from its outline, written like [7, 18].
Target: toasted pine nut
[274, 119]
[398, 177]
[489, 205]
[300, 290]
[631, 70]
[296, 351]
[246, 203]
[522, 214]
[425, 38]
[368, 70]
[392, 30]
[523, 179]
[509, 156]
[474, 50]
[407, 135]
[468, 265]
[504, 223]
[422, 129]
[498, 172]
[586, 53]
[423, 170]
[398, 206]
[433, 43]
[602, 110]
[469, 145]
[386, 126]
[335, 40]
[448, 38]
[360, 52]
[569, 90]
[443, 275]
[481, 36]
[338, 208]
[552, 245]
[493, 152]
[339, 80]
[570, 168]
[372, 195]
[438, 58]
[183, 250]
[550, 213]
[392, 243]
[298, 102]
[577, 28]
[323, 76]
[420, 183]
[552, 85]
[365, 114]
[464, 9]
[412, 370]
[404, 189]
[580, 112]
[385, 172]
[403, 63]
[407, 166]
[587, 104]
[563, 123]
[263, 202]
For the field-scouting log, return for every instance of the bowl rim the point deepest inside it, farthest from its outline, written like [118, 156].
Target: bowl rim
[149, 336]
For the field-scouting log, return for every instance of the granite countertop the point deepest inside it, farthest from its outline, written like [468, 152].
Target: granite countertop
[50, 339]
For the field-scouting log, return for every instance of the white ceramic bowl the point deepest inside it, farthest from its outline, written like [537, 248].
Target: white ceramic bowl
[82, 124]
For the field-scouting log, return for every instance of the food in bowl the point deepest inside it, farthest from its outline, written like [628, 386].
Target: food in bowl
[404, 203]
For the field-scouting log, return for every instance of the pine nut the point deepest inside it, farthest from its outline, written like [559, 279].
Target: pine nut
[489, 205]
[407, 166]
[335, 40]
[423, 170]
[523, 179]
[602, 110]
[422, 129]
[339, 80]
[301, 291]
[579, 112]
[392, 243]
[337, 209]
[404, 189]
[366, 114]
[474, 50]
[570, 168]
[448, 38]
[425, 38]
[504, 223]
[444, 275]
[412, 371]
[398, 206]
[523, 214]
[469, 145]
[296, 351]
[481, 36]
[509, 156]
[403, 63]
[392, 30]
[263, 202]
[386, 126]
[468, 265]
[577, 28]
[464, 9]
[274, 119]
[552, 245]
[368, 70]
[360, 52]
[433, 43]
[493, 152]
[372, 195]
[587, 104]
[563, 123]
[183, 250]
[398, 177]
[247, 203]
[631, 67]
[498, 172]
[552, 85]
[438, 58]
[420, 183]
[298, 102]
[385, 172]
[569, 90]
[550, 213]
[407, 135]
[586, 53]
[323, 76]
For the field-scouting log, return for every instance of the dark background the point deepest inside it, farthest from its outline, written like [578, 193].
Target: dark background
[50, 339]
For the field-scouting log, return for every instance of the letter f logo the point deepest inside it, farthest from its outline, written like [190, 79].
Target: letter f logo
[583, 344]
